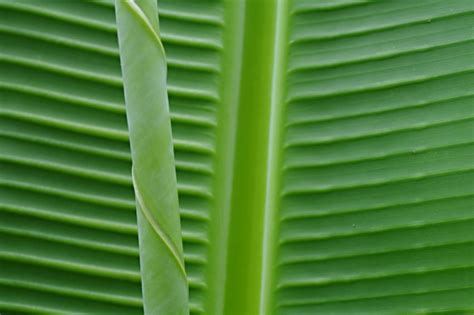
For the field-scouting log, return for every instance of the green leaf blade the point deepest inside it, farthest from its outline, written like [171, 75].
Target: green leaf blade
[68, 240]
[375, 155]
[378, 183]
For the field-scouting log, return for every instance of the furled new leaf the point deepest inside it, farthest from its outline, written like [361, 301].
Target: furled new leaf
[165, 289]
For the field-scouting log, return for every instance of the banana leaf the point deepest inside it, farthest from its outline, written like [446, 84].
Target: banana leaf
[68, 234]
[340, 141]
[323, 154]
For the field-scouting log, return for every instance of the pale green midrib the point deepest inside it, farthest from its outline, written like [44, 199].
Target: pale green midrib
[254, 295]
[274, 157]
[224, 155]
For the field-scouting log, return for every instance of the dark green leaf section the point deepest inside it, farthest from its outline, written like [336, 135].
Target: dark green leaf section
[378, 183]
[165, 288]
[65, 161]
[68, 241]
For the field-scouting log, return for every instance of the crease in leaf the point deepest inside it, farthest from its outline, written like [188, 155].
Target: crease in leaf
[156, 227]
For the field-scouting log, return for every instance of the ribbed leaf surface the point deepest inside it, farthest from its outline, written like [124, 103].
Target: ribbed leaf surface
[378, 185]
[66, 168]
[323, 153]
[342, 153]
[191, 32]
[68, 239]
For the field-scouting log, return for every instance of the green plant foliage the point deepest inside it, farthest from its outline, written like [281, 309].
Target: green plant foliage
[68, 237]
[323, 153]
[165, 289]
[341, 179]
[377, 183]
